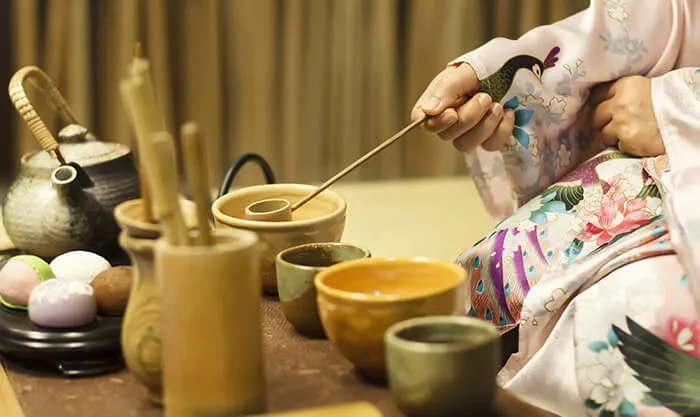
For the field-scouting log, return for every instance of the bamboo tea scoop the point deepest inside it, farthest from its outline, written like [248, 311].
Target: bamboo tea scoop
[280, 209]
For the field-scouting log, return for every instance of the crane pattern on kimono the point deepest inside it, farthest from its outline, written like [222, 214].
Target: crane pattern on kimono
[672, 376]
[499, 83]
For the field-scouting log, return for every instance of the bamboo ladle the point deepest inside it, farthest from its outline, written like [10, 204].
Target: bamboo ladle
[280, 209]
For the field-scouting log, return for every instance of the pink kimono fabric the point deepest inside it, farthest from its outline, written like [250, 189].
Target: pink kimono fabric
[597, 257]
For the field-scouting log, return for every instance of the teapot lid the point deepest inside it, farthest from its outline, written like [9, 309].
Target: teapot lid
[80, 146]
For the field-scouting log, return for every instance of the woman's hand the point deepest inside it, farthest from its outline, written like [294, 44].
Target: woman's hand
[623, 116]
[462, 115]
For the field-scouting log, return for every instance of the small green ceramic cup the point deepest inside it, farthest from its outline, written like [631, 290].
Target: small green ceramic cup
[296, 268]
[443, 365]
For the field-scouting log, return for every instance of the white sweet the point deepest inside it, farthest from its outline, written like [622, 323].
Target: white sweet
[81, 265]
[62, 303]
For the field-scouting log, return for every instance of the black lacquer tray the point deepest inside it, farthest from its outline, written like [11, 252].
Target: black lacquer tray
[90, 350]
[86, 351]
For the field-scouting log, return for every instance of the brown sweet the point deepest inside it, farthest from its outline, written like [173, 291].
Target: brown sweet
[112, 288]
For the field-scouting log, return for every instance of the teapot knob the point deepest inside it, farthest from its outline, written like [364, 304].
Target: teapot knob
[75, 133]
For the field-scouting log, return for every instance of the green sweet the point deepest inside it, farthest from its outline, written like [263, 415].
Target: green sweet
[40, 266]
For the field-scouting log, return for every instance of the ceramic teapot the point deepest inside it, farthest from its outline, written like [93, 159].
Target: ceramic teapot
[65, 194]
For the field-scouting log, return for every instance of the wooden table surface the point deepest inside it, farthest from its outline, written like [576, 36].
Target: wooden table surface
[435, 218]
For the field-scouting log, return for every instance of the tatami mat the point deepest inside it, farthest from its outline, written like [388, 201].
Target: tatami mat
[435, 218]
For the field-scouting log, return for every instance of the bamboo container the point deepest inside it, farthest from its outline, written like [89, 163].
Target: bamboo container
[212, 326]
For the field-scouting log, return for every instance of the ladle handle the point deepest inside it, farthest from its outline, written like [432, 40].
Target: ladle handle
[359, 162]
[19, 98]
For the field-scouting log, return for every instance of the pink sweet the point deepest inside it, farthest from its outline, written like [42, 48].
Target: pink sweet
[17, 280]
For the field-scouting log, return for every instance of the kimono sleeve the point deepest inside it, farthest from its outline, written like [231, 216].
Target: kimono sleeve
[546, 75]
[676, 99]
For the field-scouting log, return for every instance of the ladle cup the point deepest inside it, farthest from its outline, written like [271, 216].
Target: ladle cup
[271, 210]
[279, 210]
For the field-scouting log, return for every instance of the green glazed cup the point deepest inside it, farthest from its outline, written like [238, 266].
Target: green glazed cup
[443, 365]
[296, 268]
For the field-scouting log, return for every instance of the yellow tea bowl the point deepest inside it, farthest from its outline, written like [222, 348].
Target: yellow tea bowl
[359, 300]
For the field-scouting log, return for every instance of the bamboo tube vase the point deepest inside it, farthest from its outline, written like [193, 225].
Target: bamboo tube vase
[141, 326]
[212, 336]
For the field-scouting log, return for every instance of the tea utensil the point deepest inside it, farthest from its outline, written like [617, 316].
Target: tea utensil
[279, 209]
[193, 154]
[163, 181]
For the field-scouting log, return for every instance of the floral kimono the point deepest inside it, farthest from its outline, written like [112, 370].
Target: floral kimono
[597, 256]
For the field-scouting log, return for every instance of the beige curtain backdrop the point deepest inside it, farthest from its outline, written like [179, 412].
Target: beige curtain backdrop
[309, 84]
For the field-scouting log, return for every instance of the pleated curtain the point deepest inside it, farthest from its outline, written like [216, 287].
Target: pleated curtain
[308, 84]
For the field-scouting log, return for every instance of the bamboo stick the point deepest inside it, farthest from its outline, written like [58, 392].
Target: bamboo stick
[193, 155]
[163, 181]
[140, 100]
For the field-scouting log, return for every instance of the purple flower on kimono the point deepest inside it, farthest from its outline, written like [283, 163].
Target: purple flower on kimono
[522, 118]
[548, 205]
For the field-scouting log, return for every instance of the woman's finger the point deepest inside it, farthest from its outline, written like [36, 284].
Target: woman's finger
[602, 114]
[468, 115]
[442, 122]
[504, 130]
[482, 131]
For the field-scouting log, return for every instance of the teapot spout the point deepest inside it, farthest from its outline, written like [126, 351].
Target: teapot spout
[66, 181]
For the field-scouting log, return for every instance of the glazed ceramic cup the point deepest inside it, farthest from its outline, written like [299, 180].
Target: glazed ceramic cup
[320, 220]
[443, 365]
[212, 326]
[359, 300]
[296, 269]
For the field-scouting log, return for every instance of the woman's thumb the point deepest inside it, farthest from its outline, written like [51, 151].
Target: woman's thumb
[449, 89]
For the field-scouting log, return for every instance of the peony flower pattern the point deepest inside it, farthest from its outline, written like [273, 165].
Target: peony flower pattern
[616, 215]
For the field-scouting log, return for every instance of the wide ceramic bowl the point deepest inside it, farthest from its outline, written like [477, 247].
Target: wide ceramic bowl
[359, 300]
[322, 219]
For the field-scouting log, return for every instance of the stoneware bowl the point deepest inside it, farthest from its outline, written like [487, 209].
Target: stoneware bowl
[296, 269]
[320, 220]
[359, 300]
[443, 365]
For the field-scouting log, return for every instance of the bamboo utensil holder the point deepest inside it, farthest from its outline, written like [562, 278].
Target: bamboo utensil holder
[212, 337]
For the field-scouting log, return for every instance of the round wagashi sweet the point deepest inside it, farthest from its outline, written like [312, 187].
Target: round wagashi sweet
[19, 276]
[62, 303]
[81, 265]
[112, 287]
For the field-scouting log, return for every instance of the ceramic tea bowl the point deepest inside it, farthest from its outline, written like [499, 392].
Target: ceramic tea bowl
[320, 220]
[359, 300]
[296, 269]
[443, 365]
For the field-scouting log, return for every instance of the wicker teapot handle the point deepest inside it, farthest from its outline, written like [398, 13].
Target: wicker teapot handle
[24, 106]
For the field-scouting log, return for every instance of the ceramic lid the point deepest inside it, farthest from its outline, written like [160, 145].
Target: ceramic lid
[79, 145]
